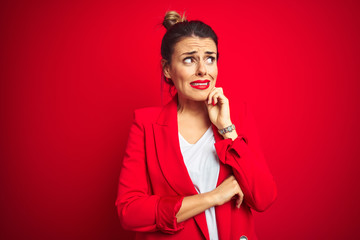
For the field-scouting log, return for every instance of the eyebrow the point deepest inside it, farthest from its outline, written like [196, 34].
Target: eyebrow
[193, 52]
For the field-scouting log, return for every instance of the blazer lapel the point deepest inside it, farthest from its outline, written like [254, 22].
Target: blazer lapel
[223, 212]
[168, 151]
[170, 158]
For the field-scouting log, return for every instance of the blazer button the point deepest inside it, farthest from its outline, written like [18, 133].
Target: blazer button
[243, 237]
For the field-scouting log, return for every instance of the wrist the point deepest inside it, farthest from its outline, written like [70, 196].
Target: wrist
[211, 198]
[228, 130]
[224, 124]
[233, 135]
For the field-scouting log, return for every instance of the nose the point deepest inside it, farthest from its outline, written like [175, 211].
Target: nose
[201, 69]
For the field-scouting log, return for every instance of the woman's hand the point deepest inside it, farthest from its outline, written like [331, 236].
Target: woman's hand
[218, 108]
[226, 191]
[195, 204]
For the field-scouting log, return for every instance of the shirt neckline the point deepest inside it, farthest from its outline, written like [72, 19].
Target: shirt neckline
[198, 141]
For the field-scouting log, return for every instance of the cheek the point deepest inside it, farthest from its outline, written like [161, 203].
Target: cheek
[179, 78]
[213, 71]
[183, 74]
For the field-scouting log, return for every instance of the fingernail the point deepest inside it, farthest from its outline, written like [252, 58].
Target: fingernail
[213, 103]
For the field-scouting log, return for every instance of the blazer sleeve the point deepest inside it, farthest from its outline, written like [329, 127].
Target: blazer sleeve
[138, 209]
[245, 158]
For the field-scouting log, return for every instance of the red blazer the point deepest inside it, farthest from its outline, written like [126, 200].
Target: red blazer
[154, 179]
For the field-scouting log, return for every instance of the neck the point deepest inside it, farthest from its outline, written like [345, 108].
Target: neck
[187, 106]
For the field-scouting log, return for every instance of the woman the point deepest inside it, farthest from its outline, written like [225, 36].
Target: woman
[188, 172]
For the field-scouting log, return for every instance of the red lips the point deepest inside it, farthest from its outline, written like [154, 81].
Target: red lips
[200, 84]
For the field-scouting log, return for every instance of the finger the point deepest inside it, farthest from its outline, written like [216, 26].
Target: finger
[213, 91]
[215, 98]
[214, 101]
[220, 89]
[221, 97]
[239, 200]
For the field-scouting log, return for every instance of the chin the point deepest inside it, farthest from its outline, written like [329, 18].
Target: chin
[199, 97]
[195, 95]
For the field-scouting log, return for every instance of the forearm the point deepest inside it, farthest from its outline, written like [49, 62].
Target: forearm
[193, 205]
[250, 169]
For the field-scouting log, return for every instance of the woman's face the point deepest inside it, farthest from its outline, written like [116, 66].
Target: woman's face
[193, 68]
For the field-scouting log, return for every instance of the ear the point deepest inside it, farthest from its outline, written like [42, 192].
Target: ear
[166, 68]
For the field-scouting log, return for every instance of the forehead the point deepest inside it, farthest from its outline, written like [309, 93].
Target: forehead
[190, 44]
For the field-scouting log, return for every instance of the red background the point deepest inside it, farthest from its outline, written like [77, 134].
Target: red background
[73, 71]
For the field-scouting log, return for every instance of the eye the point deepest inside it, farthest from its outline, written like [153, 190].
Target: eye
[188, 60]
[210, 60]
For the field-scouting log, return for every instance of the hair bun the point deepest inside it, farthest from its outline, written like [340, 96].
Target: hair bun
[171, 18]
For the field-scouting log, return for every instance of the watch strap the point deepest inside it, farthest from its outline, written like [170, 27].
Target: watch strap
[227, 129]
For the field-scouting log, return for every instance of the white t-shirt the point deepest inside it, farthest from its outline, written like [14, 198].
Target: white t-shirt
[203, 167]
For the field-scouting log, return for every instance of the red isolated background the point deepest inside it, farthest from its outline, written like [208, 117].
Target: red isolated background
[72, 72]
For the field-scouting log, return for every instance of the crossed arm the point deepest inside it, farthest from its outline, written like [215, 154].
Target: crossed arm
[140, 210]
